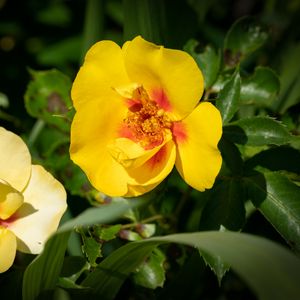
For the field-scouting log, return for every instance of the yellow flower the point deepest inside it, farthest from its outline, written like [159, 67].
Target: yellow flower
[137, 114]
[32, 202]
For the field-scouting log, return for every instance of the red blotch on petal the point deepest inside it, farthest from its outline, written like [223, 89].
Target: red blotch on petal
[160, 97]
[157, 158]
[133, 105]
[179, 132]
[10, 220]
[125, 132]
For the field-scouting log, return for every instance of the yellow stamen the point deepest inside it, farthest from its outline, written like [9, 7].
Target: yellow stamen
[146, 121]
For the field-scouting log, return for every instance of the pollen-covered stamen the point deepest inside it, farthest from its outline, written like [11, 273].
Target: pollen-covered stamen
[146, 122]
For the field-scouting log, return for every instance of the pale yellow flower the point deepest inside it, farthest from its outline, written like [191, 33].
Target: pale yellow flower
[32, 202]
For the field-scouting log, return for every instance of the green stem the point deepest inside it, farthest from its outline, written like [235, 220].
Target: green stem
[35, 131]
[144, 221]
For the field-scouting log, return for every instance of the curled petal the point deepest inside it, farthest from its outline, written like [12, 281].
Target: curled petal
[8, 246]
[153, 171]
[40, 214]
[15, 160]
[171, 77]
[198, 159]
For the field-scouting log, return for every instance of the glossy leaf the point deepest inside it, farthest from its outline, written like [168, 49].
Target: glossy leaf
[278, 199]
[209, 61]
[228, 98]
[48, 97]
[257, 131]
[225, 206]
[261, 88]
[276, 159]
[231, 156]
[42, 274]
[151, 273]
[244, 37]
[269, 269]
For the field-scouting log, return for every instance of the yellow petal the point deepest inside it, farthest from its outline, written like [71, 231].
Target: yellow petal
[8, 246]
[153, 171]
[15, 160]
[131, 154]
[102, 71]
[198, 159]
[40, 214]
[95, 127]
[137, 190]
[171, 77]
[10, 200]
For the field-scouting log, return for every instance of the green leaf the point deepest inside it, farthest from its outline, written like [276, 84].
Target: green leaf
[103, 214]
[261, 88]
[48, 97]
[231, 156]
[272, 159]
[278, 199]
[244, 37]
[228, 98]
[151, 273]
[216, 264]
[289, 78]
[42, 274]
[225, 206]
[92, 250]
[257, 131]
[108, 233]
[269, 269]
[62, 53]
[110, 274]
[209, 61]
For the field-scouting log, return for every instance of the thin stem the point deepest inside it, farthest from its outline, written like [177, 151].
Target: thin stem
[144, 221]
[35, 131]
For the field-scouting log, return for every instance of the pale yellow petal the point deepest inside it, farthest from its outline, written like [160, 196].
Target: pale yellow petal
[8, 245]
[15, 160]
[39, 216]
[10, 200]
[198, 159]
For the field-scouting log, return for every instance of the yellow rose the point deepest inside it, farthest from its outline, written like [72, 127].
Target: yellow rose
[32, 202]
[138, 114]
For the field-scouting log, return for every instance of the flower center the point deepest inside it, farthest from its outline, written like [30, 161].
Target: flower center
[146, 122]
